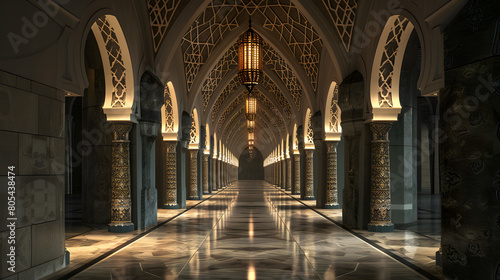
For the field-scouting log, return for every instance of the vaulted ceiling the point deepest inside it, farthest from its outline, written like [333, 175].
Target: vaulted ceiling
[292, 54]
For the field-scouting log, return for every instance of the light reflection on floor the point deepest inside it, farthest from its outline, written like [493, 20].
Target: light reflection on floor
[249, 230]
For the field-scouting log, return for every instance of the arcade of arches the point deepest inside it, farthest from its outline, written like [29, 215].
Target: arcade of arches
[124, 140]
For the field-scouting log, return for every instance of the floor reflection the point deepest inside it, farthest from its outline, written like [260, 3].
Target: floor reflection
[249, 231]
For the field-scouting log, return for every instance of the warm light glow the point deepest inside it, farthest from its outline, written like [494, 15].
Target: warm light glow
[250, 124]
[251, 271]
[250, 58]
[251, 111]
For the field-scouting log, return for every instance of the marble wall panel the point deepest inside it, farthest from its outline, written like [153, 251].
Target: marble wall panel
[19, 110]
[47, 241]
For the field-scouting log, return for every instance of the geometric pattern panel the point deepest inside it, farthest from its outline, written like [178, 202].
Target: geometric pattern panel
[388, 59]
[281, 18]
[266, 102]
[161, 14]
[218, 73]
[295, 30]
[334, 122]
[279, 66]
[310, 131]
[233, 117]
[274, 91]
[343, 15]
[240, 99]
[115, 61]
[193, 135]
[230, 88]
[169, 111]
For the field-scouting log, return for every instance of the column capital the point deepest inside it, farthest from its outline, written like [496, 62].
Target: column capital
[121, 130]
[331, 146]
[380, 130]
[170, 146]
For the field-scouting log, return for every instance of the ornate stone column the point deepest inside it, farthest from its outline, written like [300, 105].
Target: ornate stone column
[278, 174]
[214, 173]
[121, 203]
[332, 201]
[283, 173]
[206, 189]
[193, 175]
[171, 175]
[309, 183]
[380, 197]
[288, 174]
[149, 203]
[296, 180]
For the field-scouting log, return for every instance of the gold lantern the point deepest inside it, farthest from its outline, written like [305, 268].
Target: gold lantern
[250, 58]
[250, 124]
[251, 103]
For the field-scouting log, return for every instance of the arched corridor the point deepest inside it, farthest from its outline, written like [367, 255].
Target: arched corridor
[250, 139]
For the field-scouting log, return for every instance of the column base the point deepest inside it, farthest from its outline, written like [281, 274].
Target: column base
[439, 258]
[194, 198]
[288, 189]
[206, 192]
[332, 206]
[388, 227]
[120, 227]
[296, 193]
[170, 206]
[308, 198]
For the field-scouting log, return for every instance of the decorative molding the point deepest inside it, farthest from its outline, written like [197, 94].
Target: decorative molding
[230, 88]
[116, 62]
[343, 15]
[386, 71]
[121, 202]
[310, 132]
[169, 112]
[170, 174]
[161, 14]
[193, 175]
[380, 198]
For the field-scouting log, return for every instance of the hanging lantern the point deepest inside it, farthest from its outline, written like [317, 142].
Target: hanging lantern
[250, 124]
[251, 103]
[250, 148]
[250, 58]
[251, 136]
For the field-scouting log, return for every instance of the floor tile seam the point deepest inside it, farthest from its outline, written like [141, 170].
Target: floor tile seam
[206, 237]
[129, 242]
[391, 253]
[294, 240]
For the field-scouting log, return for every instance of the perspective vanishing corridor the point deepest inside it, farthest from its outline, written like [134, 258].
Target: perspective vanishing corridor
[250, 230]
[250, 139]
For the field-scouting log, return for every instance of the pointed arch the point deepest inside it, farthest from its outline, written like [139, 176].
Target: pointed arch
[118, 73]
[170, 114]
[194, 136]
[386, 70]
[207, 139]
[309, 133]
[333, 130]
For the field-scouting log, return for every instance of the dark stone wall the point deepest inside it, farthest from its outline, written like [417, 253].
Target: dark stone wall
[470, 144]
[251, 167]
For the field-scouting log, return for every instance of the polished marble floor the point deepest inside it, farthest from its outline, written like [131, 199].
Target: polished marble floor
[250, 230]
